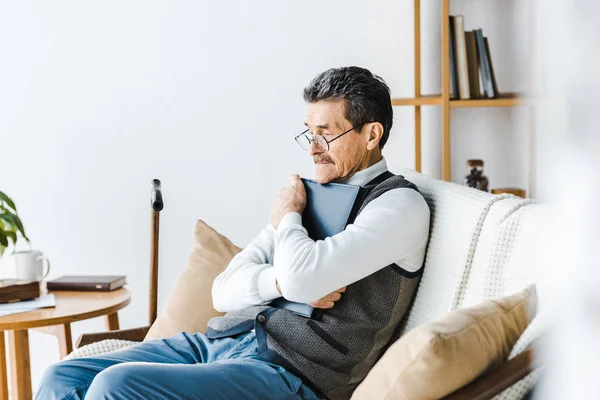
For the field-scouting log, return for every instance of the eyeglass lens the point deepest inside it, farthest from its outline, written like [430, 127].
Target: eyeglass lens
[305, 140]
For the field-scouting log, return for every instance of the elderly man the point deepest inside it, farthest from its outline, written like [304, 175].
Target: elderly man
[363, 280]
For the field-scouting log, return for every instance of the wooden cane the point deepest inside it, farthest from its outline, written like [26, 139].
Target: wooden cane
[157, 206]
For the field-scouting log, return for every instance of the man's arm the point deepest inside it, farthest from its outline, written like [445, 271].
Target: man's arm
[249, 279]
[390, 228]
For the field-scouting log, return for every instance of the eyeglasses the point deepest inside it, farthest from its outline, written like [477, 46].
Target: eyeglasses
[305, 139]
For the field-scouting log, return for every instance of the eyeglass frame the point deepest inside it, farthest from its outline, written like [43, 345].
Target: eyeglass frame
[311, 140]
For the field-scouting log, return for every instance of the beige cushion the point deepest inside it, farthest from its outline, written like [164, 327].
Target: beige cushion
[189, 306]
[435, 359]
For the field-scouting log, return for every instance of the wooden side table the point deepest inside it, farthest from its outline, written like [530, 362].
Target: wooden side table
[70, 307]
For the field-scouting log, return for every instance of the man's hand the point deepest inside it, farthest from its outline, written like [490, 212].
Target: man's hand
[324, 302]
[329, 300]
[289, 199]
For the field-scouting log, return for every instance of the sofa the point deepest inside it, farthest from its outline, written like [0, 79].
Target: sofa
[481, 247]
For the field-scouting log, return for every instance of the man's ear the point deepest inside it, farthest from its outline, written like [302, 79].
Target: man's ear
[374, 134]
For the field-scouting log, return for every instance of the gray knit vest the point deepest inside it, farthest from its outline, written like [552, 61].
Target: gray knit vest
[333, 353]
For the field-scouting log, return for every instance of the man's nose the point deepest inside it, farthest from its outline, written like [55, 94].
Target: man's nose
[314, 149]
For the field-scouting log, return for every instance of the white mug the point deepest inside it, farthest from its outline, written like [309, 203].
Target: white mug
[31, 265]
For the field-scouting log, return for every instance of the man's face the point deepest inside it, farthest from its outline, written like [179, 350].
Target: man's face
[347, 154]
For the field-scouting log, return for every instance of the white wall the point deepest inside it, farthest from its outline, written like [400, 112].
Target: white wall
[99, 97]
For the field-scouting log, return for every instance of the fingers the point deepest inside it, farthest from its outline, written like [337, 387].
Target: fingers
[329, 300]
[335, 296]
[328, 304]
[322, 304]
[295, 178]
[296, 181]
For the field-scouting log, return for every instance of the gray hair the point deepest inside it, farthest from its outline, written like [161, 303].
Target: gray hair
[367, 96]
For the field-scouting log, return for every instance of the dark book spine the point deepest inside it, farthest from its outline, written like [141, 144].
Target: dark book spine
[473, 65]
[453, 72]
[492, 75]
[488, 87]
[99, 287]
[19, 292]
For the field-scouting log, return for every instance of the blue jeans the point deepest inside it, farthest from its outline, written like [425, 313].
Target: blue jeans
[184, 366]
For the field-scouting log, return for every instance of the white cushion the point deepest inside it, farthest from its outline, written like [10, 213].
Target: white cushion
[504, 262]
[486, 245]
[98, 348]
[457, 214]
[505, 257]
[513, 261]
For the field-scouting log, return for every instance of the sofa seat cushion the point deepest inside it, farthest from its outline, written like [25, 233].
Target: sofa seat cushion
[435, 359]
[189, 306]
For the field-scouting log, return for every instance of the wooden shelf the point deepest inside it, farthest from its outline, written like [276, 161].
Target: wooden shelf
[505, 100]
[429, 100]
[442, 99]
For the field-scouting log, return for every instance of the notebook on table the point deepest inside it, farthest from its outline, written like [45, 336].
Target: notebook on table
[329, 209]
[102, 283]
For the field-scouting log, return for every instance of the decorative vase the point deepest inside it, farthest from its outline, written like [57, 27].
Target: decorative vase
[475, 178]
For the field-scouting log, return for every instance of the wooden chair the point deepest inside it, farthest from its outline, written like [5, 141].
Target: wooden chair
[138, 334]
[484, 387]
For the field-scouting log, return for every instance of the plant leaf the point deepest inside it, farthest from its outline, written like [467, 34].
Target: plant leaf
[14, 220]
[4, 234]
[21, 228]
[11, 235]
[5, 226]
[2, 248]
[8, 201]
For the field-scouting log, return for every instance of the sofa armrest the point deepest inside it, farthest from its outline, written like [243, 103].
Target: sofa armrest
[136, 335]
[494, 382]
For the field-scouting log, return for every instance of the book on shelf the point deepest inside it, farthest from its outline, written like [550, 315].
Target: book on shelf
[473, 65]
[489, 57]
[485, 65]
[461, 58]
[453, 76]
[102, 283]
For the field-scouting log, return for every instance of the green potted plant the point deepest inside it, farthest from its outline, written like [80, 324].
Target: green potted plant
[10, 223]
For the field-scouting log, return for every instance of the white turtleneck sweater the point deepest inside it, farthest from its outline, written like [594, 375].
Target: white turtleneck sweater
[393, 228]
